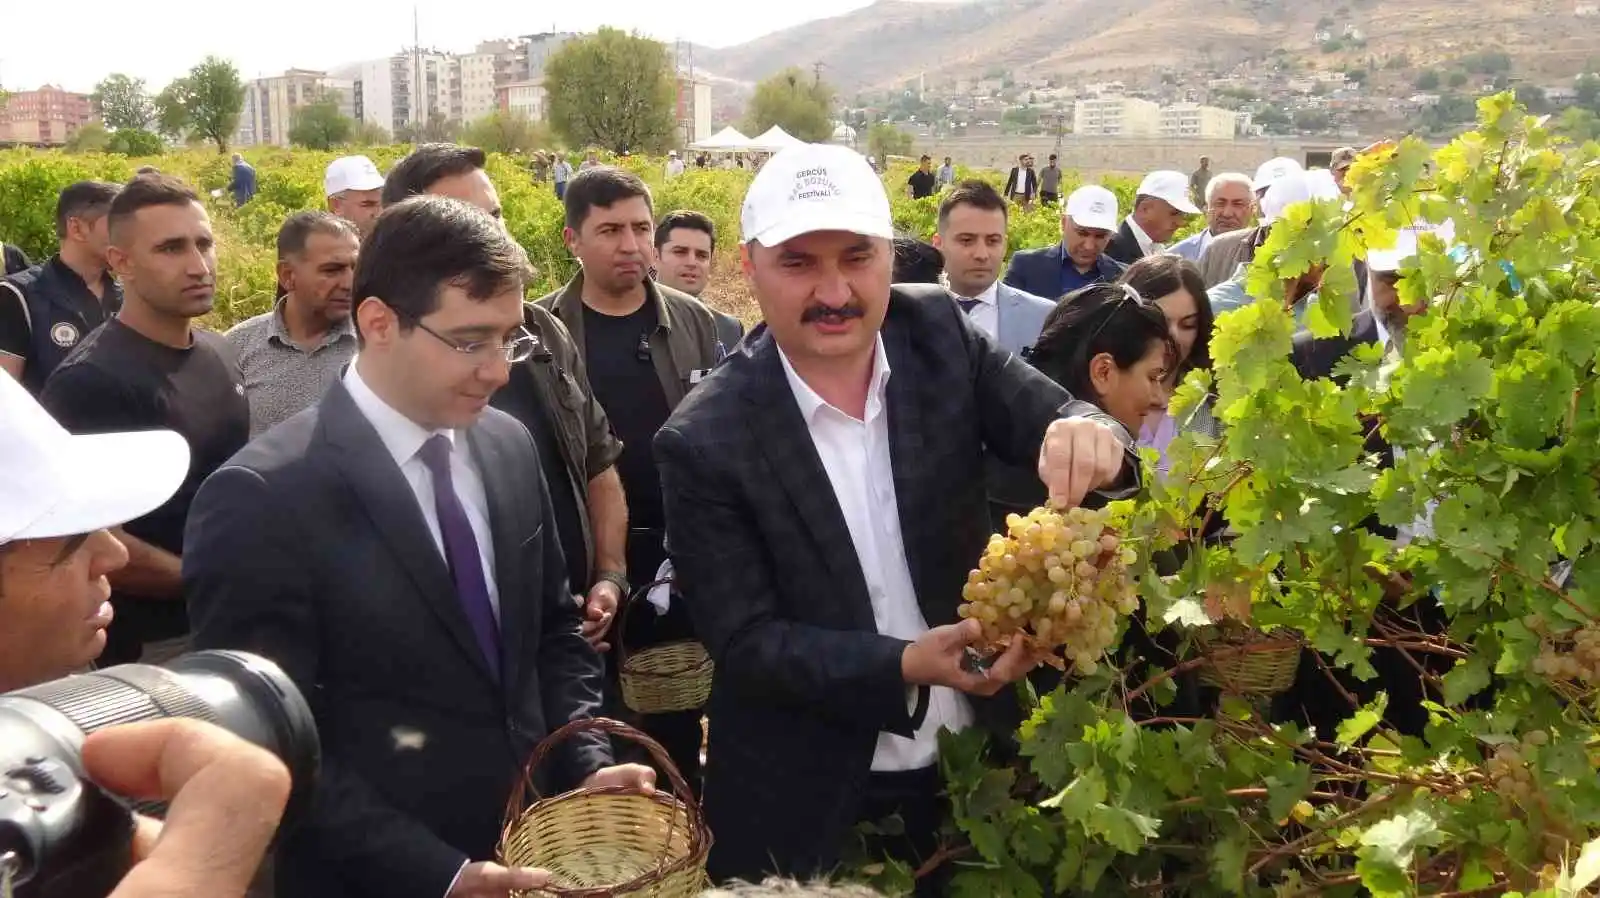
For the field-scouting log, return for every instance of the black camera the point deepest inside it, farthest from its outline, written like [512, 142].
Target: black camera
[64, 837]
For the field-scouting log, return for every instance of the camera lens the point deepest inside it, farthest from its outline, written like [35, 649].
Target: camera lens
[48, 811]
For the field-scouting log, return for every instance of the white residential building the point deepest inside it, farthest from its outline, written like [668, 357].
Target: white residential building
[524, 99]
[1196, 121]
[270, 104]
[1116, 117]
[693, 109]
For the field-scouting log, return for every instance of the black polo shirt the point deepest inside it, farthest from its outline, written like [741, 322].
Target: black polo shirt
[46, 311]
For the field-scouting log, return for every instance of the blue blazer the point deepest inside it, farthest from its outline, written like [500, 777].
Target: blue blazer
[1038, 271]
[1021, 317]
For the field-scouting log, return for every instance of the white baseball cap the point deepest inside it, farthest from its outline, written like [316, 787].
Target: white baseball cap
[1297, 187]
[1094, 207]
[1407, 243]
[814, 187]
[1171, 187]
[351, 173]
[1273, 170]
[53, 483]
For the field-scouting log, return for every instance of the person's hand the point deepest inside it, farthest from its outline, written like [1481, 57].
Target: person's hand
[634, 777]
[225, 797]
[599, 609]
[937, 658]
[1078, 455]
[486, 879]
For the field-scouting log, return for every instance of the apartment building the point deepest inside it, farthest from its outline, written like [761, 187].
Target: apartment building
[270, 104]
[1193, 120]
[524, 99]
[48, 116]
[1116, 117]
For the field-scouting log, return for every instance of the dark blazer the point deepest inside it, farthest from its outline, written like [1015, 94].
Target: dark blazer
[1038, 271]
[1022, 180]
[309, 548]
[1316, 358]
[730, 330]
[804, 683]
[1124, 247]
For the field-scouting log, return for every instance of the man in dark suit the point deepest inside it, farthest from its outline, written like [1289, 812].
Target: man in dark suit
[823, 515]
[1160, 208]
[1022, 184]
[394, 549]
[1080, 258]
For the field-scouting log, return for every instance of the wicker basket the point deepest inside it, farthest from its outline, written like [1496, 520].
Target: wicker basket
[605, 842]
[1249, 662]
[660, 679]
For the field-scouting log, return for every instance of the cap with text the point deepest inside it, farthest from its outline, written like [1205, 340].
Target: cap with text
[1094, 207]
[1407, 245]
[1297, 187]
[1171, 187]
[53, 483]
[351, 173]
[815, 187]
[1274, 170]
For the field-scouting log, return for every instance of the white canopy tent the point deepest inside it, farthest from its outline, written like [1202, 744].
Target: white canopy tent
[726, 139]
[774, 139]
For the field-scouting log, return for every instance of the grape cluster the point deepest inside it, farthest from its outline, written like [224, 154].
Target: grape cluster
[1507, 768]
[1059, 579]
[1582, 663]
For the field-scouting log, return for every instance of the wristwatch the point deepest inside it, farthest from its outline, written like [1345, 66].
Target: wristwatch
[617, 578]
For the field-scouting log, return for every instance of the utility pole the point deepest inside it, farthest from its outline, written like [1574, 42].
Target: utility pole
[419, 111]
[816, 69]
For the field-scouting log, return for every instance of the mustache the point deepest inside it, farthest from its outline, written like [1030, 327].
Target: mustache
[840, 313]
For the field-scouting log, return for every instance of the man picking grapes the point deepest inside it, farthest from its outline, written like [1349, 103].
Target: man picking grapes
[824, 498]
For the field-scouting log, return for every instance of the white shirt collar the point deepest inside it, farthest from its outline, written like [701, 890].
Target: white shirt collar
[1150, 247]
[402, 436]
[810, 403]
[1383, 329]
[990, 296]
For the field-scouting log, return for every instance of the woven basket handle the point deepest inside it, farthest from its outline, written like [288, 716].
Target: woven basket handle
[639, 595]
[525, 789]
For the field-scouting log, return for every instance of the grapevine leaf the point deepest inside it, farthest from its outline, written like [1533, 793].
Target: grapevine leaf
[1357, 725]
[1189, 612]
[1121, 828]
[1286, 787]
[1076, 801]
[1393, 840]
[1587, 870]
[993, 793]
[1469, 677]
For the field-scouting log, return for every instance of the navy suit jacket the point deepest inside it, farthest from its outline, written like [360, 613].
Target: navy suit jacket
[1038, 271]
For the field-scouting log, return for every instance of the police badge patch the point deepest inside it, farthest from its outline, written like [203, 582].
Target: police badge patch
[64, 334]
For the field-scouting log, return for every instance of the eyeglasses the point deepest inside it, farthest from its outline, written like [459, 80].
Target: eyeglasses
[519, 348]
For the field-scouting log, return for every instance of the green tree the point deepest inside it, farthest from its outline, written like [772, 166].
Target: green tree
[123, 102]
[1578, 124]
[1273, 120]
[369, 134]
[1533, 98]
[795, 101]
[204, 104]
[1458, 79]
[438, 129]
[135, 142]
[1428, 80]
[1357, 76]
[1587, 88]
[886, 140]
[91, 138]
[502, 131]
[612, 89]
[319, 125]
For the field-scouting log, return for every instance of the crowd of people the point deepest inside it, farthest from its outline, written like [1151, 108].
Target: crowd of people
[427, 498]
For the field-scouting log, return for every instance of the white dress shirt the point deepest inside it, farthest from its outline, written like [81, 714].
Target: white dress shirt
[1146, 245]
[855, 454]
[986, 314]
[404, 438]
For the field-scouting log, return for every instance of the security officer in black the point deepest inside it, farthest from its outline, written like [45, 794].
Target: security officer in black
[46, 310]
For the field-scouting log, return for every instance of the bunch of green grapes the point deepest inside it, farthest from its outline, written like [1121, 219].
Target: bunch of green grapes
[1581, 664]
[1056, 579]
[1507, 768]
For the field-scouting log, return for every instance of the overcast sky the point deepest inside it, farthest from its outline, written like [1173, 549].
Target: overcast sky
[75, 44]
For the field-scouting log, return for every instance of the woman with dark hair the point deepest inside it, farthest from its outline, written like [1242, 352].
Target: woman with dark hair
[1175, 286]
[1108, 345]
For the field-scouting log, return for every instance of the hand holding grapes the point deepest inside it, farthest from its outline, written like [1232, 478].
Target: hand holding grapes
[1078, 455]
[939, 658]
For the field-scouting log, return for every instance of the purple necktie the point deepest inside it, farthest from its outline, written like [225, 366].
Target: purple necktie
[461, 550]
[967, 305]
